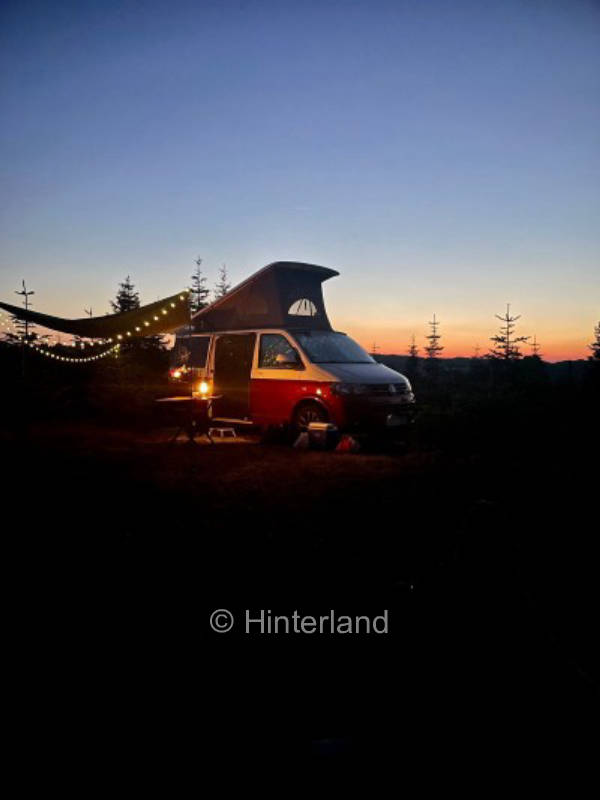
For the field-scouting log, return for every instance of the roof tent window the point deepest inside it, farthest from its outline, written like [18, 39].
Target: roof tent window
[303, 308]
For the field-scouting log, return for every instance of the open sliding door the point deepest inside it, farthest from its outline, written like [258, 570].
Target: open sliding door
[233, 364]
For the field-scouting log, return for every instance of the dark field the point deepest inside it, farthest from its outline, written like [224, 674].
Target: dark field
[479, 537]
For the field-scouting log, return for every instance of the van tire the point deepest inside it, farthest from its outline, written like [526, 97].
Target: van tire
[306, 413]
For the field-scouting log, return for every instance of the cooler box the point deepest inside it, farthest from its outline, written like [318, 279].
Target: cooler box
[322, 435]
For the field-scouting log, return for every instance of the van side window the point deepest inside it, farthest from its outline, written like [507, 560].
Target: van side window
[191, 351]
[277, 353]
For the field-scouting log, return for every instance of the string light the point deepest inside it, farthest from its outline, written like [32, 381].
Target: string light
[147, 323]
[38, 349]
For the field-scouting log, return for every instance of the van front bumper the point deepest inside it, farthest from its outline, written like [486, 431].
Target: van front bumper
[380, 414]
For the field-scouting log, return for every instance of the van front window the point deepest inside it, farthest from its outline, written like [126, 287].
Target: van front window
[328, 347]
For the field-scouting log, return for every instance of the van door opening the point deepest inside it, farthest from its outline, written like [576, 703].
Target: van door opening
[233, 364]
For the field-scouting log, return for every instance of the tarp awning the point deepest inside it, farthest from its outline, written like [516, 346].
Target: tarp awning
[163, 316]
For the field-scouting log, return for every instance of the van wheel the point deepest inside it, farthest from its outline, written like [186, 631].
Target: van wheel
[307, 413]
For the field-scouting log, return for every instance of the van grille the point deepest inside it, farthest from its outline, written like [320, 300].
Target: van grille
[387, 388]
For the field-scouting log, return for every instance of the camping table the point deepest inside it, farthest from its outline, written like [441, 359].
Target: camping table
[191, 414]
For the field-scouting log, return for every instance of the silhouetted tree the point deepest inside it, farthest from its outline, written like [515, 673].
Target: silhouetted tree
[535, 348]
[24, 331]
[198, 290]
[506, 343]
[595, 345]
[433, 348]
[127, 298]
[222, 285]
[412, 362]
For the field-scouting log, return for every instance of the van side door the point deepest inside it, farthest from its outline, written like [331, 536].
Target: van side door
[276, 380]
[234, 353]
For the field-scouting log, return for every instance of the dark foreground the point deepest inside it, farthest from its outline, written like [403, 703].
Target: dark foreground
[479, 539]
[486, 568]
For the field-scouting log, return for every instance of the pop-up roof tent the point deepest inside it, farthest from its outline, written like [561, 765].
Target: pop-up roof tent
[285, 294]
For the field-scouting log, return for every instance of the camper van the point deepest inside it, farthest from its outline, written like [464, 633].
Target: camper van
[269, 355]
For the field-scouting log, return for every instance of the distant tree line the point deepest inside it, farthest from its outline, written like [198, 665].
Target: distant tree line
[505, 344]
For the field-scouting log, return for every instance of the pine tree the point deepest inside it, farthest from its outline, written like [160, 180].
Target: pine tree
[595, 345]
[506, 343]
[412, 362]
[198, 291]
[222, 285]
[127, 298]
[22, 331]
[535, 348]
[433, 348]
[25, 330]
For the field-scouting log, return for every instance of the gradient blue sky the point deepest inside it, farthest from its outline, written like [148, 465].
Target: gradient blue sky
[444, 156]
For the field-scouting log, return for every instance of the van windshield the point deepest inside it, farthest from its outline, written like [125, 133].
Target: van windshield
[328, 347]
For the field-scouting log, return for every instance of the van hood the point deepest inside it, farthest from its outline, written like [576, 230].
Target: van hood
[363, 373]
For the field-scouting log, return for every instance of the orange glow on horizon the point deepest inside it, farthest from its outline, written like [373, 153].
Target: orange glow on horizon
[568, 349]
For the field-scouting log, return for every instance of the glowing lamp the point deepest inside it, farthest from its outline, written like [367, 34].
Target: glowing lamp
[203, 387]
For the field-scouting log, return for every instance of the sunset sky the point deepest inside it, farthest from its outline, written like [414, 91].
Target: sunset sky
[443, 156]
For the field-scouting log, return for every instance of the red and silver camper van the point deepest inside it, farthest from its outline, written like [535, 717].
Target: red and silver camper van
[267, 350]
